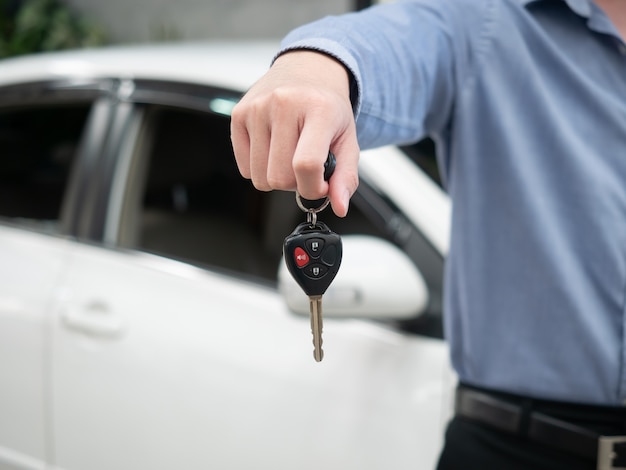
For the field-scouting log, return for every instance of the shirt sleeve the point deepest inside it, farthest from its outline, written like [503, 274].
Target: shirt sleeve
[407, 60]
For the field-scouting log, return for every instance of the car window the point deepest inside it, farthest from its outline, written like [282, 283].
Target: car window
[187, 200]
[38, 148]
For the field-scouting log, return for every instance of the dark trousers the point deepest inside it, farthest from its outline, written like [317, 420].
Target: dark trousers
[471, 445]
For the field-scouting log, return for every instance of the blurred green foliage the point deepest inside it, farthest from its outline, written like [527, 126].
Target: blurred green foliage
[28, 26]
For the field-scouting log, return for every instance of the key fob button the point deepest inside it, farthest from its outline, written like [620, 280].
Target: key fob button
[330, 255]
[300, 257]
[315, 271]
[314, 247]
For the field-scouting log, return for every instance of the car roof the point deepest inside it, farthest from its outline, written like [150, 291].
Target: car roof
[231, 64]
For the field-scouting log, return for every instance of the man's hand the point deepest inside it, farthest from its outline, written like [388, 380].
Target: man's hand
[283, 128]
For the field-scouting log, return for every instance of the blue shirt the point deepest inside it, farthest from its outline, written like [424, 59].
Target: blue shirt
[527, 102]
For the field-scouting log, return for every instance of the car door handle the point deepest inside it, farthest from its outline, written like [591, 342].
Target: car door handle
[93, 319]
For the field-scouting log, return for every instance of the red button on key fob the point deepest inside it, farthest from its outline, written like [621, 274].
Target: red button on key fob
[300, 257]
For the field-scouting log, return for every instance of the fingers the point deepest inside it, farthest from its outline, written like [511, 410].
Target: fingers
[285, 125]
[345, 180]
[290, 155]
[265, 131]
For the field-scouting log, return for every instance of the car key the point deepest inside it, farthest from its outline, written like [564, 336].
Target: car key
[313, 253]
[313, 256]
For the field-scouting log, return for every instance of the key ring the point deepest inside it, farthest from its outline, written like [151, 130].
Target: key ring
[311, 212]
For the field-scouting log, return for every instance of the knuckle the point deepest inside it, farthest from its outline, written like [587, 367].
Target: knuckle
[237, 112]
[283, 95]
[283, 102]
[248, 111]
[280, 182]
[241, 110]
[298, 97]
[305, 166]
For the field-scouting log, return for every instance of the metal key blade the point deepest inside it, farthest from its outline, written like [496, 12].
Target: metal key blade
[315, 302]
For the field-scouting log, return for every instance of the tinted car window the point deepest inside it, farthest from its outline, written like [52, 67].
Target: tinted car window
[38, 148]
[195, 206]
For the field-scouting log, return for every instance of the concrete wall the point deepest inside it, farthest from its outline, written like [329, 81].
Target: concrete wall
[153, 20]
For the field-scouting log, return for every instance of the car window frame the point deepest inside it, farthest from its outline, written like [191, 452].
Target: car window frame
[52, 92]
[132, 96]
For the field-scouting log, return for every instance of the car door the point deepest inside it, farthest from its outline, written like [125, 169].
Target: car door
[42, 130]
[172, 348]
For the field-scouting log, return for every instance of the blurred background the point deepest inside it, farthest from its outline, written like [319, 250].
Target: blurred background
[39, 25]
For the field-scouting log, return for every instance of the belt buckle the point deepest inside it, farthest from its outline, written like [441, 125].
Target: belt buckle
[612, 452]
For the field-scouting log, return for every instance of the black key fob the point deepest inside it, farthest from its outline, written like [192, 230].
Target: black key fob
[313, 256]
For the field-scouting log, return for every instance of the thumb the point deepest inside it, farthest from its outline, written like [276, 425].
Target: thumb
[345, 179]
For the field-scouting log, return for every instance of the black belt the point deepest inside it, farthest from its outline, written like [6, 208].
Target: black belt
[516, 418]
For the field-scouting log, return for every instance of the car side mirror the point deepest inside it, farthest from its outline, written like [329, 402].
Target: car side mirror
[376, 280]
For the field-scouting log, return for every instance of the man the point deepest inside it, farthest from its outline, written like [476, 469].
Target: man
[527, 103]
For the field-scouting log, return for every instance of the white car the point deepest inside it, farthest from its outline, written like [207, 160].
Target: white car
[146, 319]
